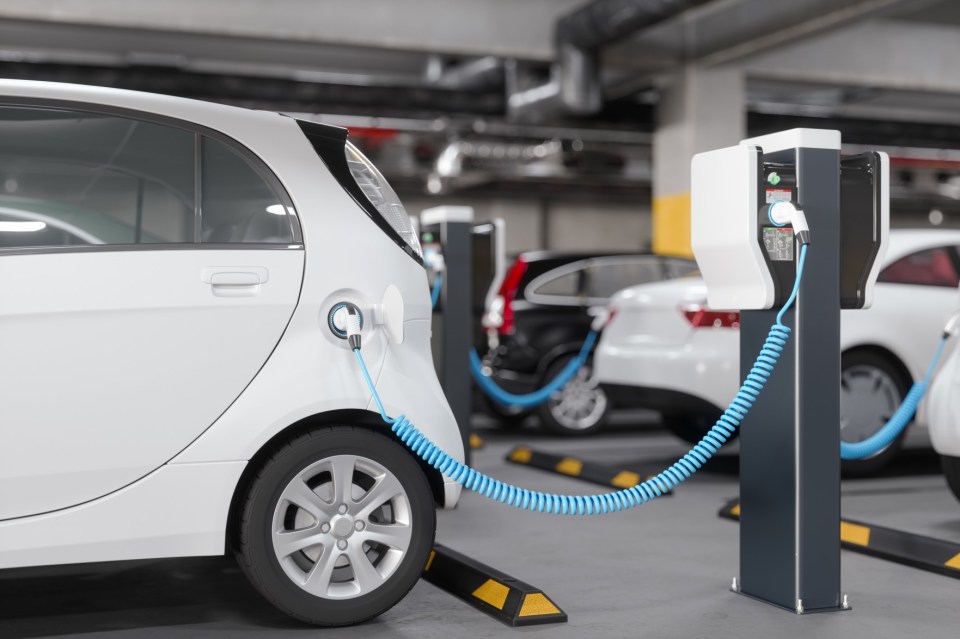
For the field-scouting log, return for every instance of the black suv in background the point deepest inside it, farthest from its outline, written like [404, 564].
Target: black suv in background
[540, 318]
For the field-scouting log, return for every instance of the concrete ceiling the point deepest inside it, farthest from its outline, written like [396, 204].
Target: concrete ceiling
[883, 67]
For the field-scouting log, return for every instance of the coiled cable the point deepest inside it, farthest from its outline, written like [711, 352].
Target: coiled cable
[895, 425]
[537, 397]
[648, 490]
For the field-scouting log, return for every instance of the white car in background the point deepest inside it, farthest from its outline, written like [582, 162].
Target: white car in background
[664, 349]
[175, 379]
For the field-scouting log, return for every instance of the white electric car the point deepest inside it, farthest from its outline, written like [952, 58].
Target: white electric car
[173, 378]
[665, 350]
[943, 412]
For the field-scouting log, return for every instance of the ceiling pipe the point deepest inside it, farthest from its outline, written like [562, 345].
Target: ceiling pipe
[470, 75]
[580, 36]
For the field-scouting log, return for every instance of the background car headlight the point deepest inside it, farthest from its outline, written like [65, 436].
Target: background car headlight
[382, 196]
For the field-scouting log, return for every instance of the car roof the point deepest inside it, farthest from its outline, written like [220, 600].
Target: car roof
[537, 256]
[906, 241]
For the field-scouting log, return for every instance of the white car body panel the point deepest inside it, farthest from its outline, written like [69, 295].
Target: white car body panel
[943, 404]
[650, 345]
[346, 257]
[176, 511]
[109, 368]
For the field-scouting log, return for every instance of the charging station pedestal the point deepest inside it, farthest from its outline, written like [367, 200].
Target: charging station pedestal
[790, 439]
[452, 226]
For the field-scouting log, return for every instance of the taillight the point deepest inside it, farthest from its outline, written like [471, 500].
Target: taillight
[702, 317]
[508, 292]
[611, 314]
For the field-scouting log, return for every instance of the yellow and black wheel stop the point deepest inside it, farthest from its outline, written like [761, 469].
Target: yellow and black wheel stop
[501, 596]
[926, 553]
[476, 442]
[579, 469]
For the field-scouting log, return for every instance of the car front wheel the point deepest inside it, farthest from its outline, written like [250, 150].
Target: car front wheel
[871, 391]
[580, 407]
[336, 526]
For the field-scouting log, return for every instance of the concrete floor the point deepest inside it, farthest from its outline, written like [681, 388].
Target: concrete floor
[661, 571]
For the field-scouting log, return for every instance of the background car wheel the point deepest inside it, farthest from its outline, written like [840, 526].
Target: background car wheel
[508, 417]
[871, 390]
[951, 470]
[692, 427]
[580, 407]
[336, 526]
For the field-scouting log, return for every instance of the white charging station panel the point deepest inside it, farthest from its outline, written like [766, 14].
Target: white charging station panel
[724, 229]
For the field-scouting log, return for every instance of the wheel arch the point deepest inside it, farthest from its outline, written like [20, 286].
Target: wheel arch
[566, 348]
[895, 360]
[345, 417]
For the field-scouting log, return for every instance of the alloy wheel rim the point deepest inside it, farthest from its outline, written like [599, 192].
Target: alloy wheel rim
[341, 527]
[580, 404]
[868, 399]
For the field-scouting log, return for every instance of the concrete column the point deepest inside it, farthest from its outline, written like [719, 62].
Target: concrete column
[700, 109]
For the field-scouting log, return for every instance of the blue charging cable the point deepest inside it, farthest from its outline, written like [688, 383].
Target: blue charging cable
[526, 400]
[435, 291]
[537, 397]
[632, 497]
[892, 429]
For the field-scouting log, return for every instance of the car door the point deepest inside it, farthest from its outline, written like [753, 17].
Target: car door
[147, 271]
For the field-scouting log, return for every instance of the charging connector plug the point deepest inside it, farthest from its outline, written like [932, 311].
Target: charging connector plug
[353, 328]
[952, 325]
[783, 213]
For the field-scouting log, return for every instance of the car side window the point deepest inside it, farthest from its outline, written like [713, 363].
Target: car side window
[606, 276]
[237, 203]
[72, 178]
[679, 268]
[930, 267]
[565, 285]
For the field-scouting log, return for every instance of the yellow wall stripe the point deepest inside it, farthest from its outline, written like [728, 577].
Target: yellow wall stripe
[570, 466]
[671, 225]
[493, 593]
[433, 553]
[854, 534]
[521, 455]
[625, 479]
[537, 604]
[954, 563]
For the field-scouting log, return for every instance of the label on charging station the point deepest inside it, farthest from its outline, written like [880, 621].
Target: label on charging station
[779, 195]
[779, 243]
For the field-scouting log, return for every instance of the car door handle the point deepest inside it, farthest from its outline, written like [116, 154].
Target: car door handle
[234, 281]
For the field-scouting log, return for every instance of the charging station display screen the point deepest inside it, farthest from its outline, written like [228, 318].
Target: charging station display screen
[779, 243]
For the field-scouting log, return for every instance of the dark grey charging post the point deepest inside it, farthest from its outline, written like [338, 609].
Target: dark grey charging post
[790, 439]
[453, 324]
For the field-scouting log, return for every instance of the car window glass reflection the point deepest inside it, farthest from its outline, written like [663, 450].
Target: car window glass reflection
[72, 178]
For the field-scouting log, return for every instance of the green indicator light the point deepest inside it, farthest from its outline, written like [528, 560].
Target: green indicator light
[773, 179]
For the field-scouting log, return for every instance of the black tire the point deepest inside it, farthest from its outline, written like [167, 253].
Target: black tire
[951, 470]
[692, 427]
[552, 417]
[508, 417]
[255, 552]
[867, 360]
